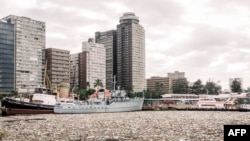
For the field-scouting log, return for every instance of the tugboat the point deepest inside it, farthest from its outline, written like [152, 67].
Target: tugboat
[40, 101]
[117, 102]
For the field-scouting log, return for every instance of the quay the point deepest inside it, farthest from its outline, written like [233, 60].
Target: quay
[169, 105]
[147, 108]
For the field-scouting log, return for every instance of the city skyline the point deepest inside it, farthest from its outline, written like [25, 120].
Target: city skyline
[206, 39]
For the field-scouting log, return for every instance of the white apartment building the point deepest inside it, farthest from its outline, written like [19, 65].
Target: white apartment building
[29, 46]
[95, 62]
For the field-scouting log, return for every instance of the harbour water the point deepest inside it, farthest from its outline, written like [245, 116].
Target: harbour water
[139, 126]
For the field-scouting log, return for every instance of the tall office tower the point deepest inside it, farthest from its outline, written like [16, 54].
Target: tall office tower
[7, 58]
[57, 61]
[108, 39]
[29, 46]
[163, 83]
[130, 53]
[74, 73]
[95, 62]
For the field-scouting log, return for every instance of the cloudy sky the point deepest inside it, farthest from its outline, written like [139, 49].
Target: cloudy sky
[206, 39]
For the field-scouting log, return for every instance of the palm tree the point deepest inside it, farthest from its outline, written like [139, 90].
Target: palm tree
[98, 83]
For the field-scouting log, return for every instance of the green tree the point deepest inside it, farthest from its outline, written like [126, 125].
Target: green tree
[147, 94]
[180, 86]
[98, 83]
[197, 87]
[247, 90]
[129, 90]
[82, 93]
[158, 89]
[236, 86]
[151, 94]
[212, 88]
[90, 91]
[138, 94]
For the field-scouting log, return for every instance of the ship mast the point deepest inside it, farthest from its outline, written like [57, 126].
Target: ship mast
[114, 82]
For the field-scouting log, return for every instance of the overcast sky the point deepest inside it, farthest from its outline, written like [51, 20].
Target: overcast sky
[206, 39]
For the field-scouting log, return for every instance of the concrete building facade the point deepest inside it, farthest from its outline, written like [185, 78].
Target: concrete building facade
[29, 46]
[7, 57]
[94, 58]
[130, 53]
[175, 77]
[78, 70]
[108, 39]
[165, 81]
[74, 73]
[58, 68]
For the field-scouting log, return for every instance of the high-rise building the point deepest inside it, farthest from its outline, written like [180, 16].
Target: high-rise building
[108, 39]
[130, 53]
[94, 55]
[83, 83]
[164, 81]
[78, 70]
[29, 46]
[57, 61]
[74, 73]
[7, 57]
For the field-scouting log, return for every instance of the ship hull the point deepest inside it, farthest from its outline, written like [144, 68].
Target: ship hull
[244, 107]
[17, 104]
[122, 106]
[13, 111]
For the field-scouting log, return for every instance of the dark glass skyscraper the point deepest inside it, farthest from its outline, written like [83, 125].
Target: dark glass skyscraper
[7, 57]
[108, 39]
[130, 53]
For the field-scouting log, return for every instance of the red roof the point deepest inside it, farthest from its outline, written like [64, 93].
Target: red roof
[107, 93]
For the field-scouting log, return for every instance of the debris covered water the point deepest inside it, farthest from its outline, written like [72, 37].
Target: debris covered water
[126, 126]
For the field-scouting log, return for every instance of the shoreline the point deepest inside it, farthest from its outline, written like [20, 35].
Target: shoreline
[142, 125]
[13, 112]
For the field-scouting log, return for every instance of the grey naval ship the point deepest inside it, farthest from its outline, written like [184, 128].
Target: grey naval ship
[117, 102]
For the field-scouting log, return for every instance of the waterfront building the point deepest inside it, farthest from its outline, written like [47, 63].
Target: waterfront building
[29, 46]
[93, 60]
[175, 78]
[57, 61]
[176, 75]
[7, 58]
[163, 81]
[108, 39]
[130, 53]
